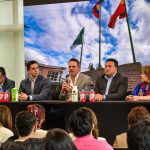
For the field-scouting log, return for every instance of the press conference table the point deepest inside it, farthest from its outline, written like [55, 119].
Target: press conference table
[112, 115]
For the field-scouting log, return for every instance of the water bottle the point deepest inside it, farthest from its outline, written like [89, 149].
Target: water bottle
[92, 95]
[14, 94]
[74, 95]
[82, 95]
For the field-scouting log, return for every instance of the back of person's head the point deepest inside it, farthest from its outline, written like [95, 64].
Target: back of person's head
[137, 114]
[5, 117]
[30, 63]
[114, 61]
[39, 112]
[138, 136]
[2, 71]
[58, 139]
[81, 122]
[146, 71]
[25, 122]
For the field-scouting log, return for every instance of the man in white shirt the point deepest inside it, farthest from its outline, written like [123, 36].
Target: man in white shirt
[77, 78]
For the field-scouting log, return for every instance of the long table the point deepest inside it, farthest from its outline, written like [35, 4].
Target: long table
[111, 115]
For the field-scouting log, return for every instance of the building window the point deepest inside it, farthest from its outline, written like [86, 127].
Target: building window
[53, 76]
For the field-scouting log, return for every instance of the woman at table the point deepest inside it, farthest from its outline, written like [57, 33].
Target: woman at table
[142, 90]
[5, 123]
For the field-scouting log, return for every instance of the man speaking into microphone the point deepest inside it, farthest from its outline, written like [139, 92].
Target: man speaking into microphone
[77, 78]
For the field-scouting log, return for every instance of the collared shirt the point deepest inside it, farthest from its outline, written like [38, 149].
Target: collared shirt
[32, 86]
[75, 81]
[109, 80]
[1, 85]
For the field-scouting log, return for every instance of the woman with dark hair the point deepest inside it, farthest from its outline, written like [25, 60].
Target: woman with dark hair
[5, 123]
[39, 112]
[58, 139]
[83, 124]
[142, 90]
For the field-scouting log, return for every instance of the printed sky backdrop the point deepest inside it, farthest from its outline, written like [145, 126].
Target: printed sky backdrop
[51, 29]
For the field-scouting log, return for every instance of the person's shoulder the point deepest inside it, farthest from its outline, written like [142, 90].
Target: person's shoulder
[84, 76]
[10, 81]
[40, 77]
[7, 131]
[119, 75]
[122, 135]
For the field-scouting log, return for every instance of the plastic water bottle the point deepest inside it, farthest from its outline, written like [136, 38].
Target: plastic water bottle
[74, 95]
[83, 96]
[14, 94]
[92, 95]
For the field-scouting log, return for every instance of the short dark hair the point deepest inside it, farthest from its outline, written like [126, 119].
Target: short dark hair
[138, 136]
[81, 122]
[113, 60]
[58, 139]
[2, 71]
[30, 63]
[137, 114]
[76, 60]
[25, 122]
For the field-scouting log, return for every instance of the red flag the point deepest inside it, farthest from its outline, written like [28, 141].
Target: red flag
[120, 11]
[96, 9]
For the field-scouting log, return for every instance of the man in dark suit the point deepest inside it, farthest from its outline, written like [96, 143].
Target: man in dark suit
[35, 87]
[111, 85]
[5, 84]
[75, 78]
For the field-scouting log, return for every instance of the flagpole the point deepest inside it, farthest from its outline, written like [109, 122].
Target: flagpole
[81, 55]
[99, 65]
[130, 36]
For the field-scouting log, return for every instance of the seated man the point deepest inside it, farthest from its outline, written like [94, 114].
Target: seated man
[25, 123]
[111, 85]
[75, 78]
[35, 87]
[138, 137]
[5, 84]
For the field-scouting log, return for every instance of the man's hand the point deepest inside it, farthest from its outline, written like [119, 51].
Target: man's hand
[66, 87]
[99, 97]
[132, 98]
[129, 98]
[23, 97]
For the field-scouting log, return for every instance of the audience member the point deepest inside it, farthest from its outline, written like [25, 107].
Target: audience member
[81, 125]
[35, 87]
[138, 137]
[137, 114]
[5, 123]
[95, 130]
[5, 84]
[142, 90]
[25, 123]
[39, 112]
[58, 139]
[75, 78]
[111, 85]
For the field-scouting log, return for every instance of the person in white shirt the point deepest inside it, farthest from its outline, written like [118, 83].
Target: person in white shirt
[77, 78]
